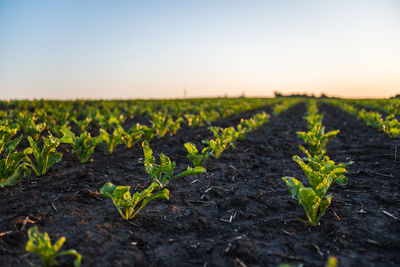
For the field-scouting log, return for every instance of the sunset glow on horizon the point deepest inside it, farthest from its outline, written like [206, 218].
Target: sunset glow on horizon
[159, 49]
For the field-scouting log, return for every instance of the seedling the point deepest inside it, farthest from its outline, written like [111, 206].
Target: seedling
[198, 159]
[111, 141]
[83, 146]
[126, 203]
[321, 175]
[12, 165]
[46, 157]
[160, 176]
[316, 139]
[40, 244]
[132, 136]
[162, 173]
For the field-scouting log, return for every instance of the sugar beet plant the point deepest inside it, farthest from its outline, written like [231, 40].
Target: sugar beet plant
[83, 145]
[316, 138]
[160, 174]
[319, 169]
[13, 165]
[40, 244]
[45, 157]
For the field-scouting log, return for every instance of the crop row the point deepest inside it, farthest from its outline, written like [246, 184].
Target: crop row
[385, 106]
[320, 170]
[389, 124]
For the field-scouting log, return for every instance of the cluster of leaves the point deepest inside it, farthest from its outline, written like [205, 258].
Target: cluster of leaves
[12, 163]
[160, 174]
[316, 138]
[319, 169]
[224, 138]
[83, 145]
[40, 244]
[389, 124]
[45, 157]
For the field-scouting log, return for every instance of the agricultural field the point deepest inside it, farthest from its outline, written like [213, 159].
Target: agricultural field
[200, 182]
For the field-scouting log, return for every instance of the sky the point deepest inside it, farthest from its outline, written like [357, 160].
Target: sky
[160, 49]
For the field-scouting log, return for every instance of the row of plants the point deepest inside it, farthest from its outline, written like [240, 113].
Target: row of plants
[385, 106]
[39, 155]
[35, 117]
[319, 169]
[389, 124]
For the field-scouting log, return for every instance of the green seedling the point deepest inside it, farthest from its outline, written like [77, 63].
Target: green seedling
[316, 139]
[45, 157]
[12, 165]
[321, 175]
[132, 136]
[162, 173]
[40, 244]
[129, 205]
[28, 125]
[126, 203]
[83, 146]
[198, 159]
[111, 141]
[224, 138]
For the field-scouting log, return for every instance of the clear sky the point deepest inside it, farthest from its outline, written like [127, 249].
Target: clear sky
[146, 49]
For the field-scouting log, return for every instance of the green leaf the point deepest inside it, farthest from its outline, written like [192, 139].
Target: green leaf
[10, 146]
[191, 171]
[191, 148]
[310, 202]
[108, 189]
[148, 153]
[325, 202]
[34, 148]
[120, 192]
[53, 158]
[14, 178]
[294, 185]
[341, 180]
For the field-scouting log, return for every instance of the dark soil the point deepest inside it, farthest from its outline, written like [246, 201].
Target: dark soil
[238, 214]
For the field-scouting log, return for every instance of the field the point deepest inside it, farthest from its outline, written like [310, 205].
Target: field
[239, 212]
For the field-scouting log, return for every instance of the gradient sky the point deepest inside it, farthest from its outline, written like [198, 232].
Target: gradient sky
[146, 49]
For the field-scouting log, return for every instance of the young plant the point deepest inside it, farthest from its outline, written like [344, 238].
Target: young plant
[148, 132]
[126, 203]
[132, 136]
[162, 173]
[198, 159]
[111, 141]
[83, 146]
[224, 137]
[28, 125]
[321, 175]
[12, 165]
[163, 123]
[129, 205]
[45, 157]
[316, 139]
[40, 244]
